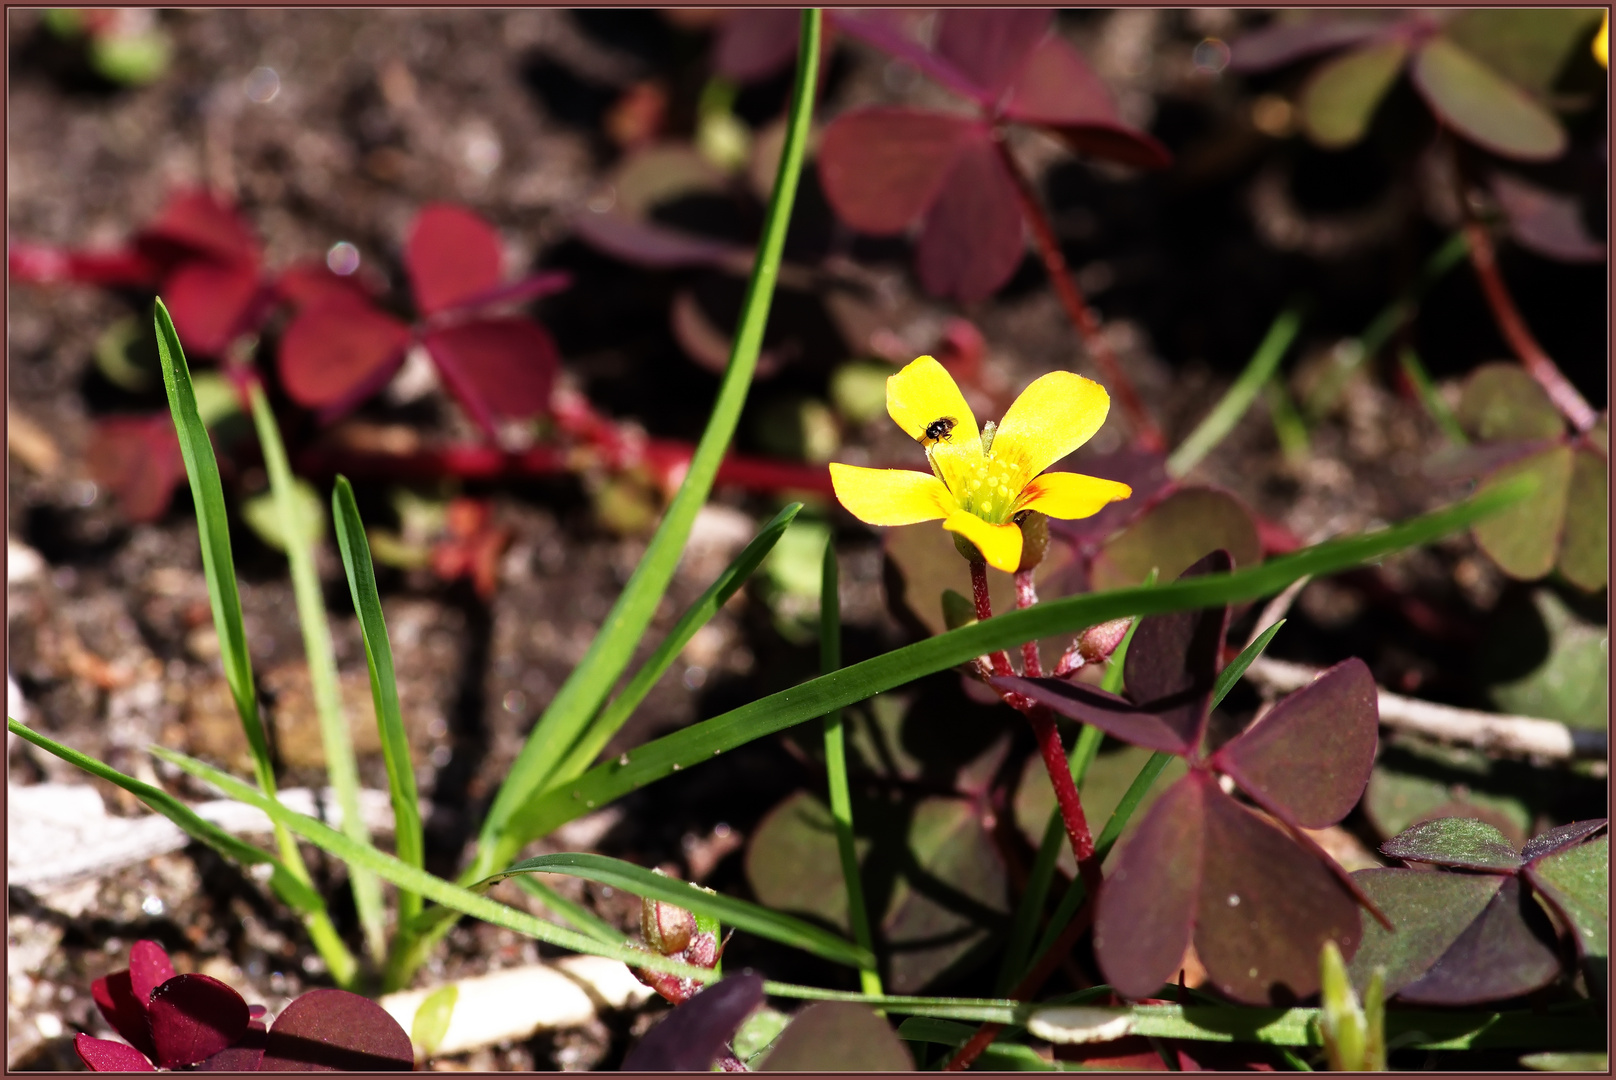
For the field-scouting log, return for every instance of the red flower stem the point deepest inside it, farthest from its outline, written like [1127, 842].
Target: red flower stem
[1146, 433]
[984, 611]
[1032, 665]
[1572, 405]
[1060, 775]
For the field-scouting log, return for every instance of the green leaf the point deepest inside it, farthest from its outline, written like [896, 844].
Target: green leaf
[838, 1036]
[792, 857]
[1585, 546]
[263, 516]
[1527, 46]
[1237, 399]
[296, 517]
[1483, 106]
[578, 916]
[1590, 1062]
[1458, 842]
[451, 896]
[1541, 658]
[213, 528]
[288, 886]
[431, 1021]
[757, 1033]
[1414, 780]
[1435, 407]
[1525, 539]
[740, 914]
[1502, 402]
[1175, 533]
[701, 742]
[726, 585]
[1237, 667]
[1342, 94]
[1576, 880]
[361, 574]
[508, 824]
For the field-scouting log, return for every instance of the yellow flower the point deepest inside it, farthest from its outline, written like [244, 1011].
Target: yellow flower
[982, 479]
[1602, 42]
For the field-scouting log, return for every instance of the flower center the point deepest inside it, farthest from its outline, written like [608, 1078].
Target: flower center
[985, 488]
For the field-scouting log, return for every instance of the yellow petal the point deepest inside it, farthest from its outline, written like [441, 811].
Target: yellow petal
[1602, 42]
[1000, 545]
[1052, 417]
[924, 393]
[1069, 495]
[890, 496]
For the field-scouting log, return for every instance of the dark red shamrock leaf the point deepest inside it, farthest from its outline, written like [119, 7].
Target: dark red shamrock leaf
[104, 1055]
[1547, 222]
[1259, 900]
[755, 43]
[339, 350]
[247, 1055]
[335, 1031]
[1476, 934]
[114, 995]
[497, 368]
[451, 255]
[883, 168]
[149, 968]
[1297, 35]
[695, 1034]
[211, 279]
[194, 1017]
[137, 459]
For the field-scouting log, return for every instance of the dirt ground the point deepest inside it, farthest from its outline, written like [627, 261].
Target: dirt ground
[381, 111]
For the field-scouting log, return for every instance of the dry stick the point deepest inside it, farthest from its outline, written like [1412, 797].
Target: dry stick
[1147, 434]
[1484, 258]
[1522, 736]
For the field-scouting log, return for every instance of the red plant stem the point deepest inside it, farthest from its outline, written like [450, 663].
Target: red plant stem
[1032, 665]
[1146, 433]
[1060, 775]
[1484, 259]
[984, 610]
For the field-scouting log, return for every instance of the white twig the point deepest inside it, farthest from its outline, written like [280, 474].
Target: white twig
[1517, 736]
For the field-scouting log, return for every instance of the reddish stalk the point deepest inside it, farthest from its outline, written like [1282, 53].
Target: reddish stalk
[1032, 665]
[984, 610]
[1538, 364]
[1146, 433]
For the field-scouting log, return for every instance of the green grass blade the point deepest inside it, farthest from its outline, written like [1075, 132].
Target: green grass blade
[1237, 667]
[1227, 412]
[577, 701]
[219, 570]
[741, 914]
[582, 919]
[1434, 405]
[700, 742]
[1289, 427]
[841, 799]
[213, 528]
[295, 892]
[361, 574]
[390, 868]
[727, 584]
[341, 767]
[980, 1010]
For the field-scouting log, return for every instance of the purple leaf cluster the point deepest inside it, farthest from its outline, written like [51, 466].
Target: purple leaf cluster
[1256, 896]
[883, 168]
[1472, 932]
[171, 1021]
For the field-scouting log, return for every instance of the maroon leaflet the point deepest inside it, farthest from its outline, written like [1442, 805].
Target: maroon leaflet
[194, 1017]
[137, 458]
[451, 255]
[332, 1031]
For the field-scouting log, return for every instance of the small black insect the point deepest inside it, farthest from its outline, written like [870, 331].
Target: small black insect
[939, 429]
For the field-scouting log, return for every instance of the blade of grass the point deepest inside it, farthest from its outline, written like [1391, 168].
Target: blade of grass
[361, 574]
[503, 832]
[1289, 427]
[288, 887]
[1353, 354]
[1431, 1030]
[841, 800]
[1129, 804]
[1228, 411]
[219, 570]
[726, 585]
[741, 914]
[322, 660]
[390, 868]
[582, 919]
[697, 743]
[1030, 909]
[1434, 405]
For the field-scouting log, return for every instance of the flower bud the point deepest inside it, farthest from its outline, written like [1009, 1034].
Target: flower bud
[1034, 538]
[666, 928]
[1098, 642]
